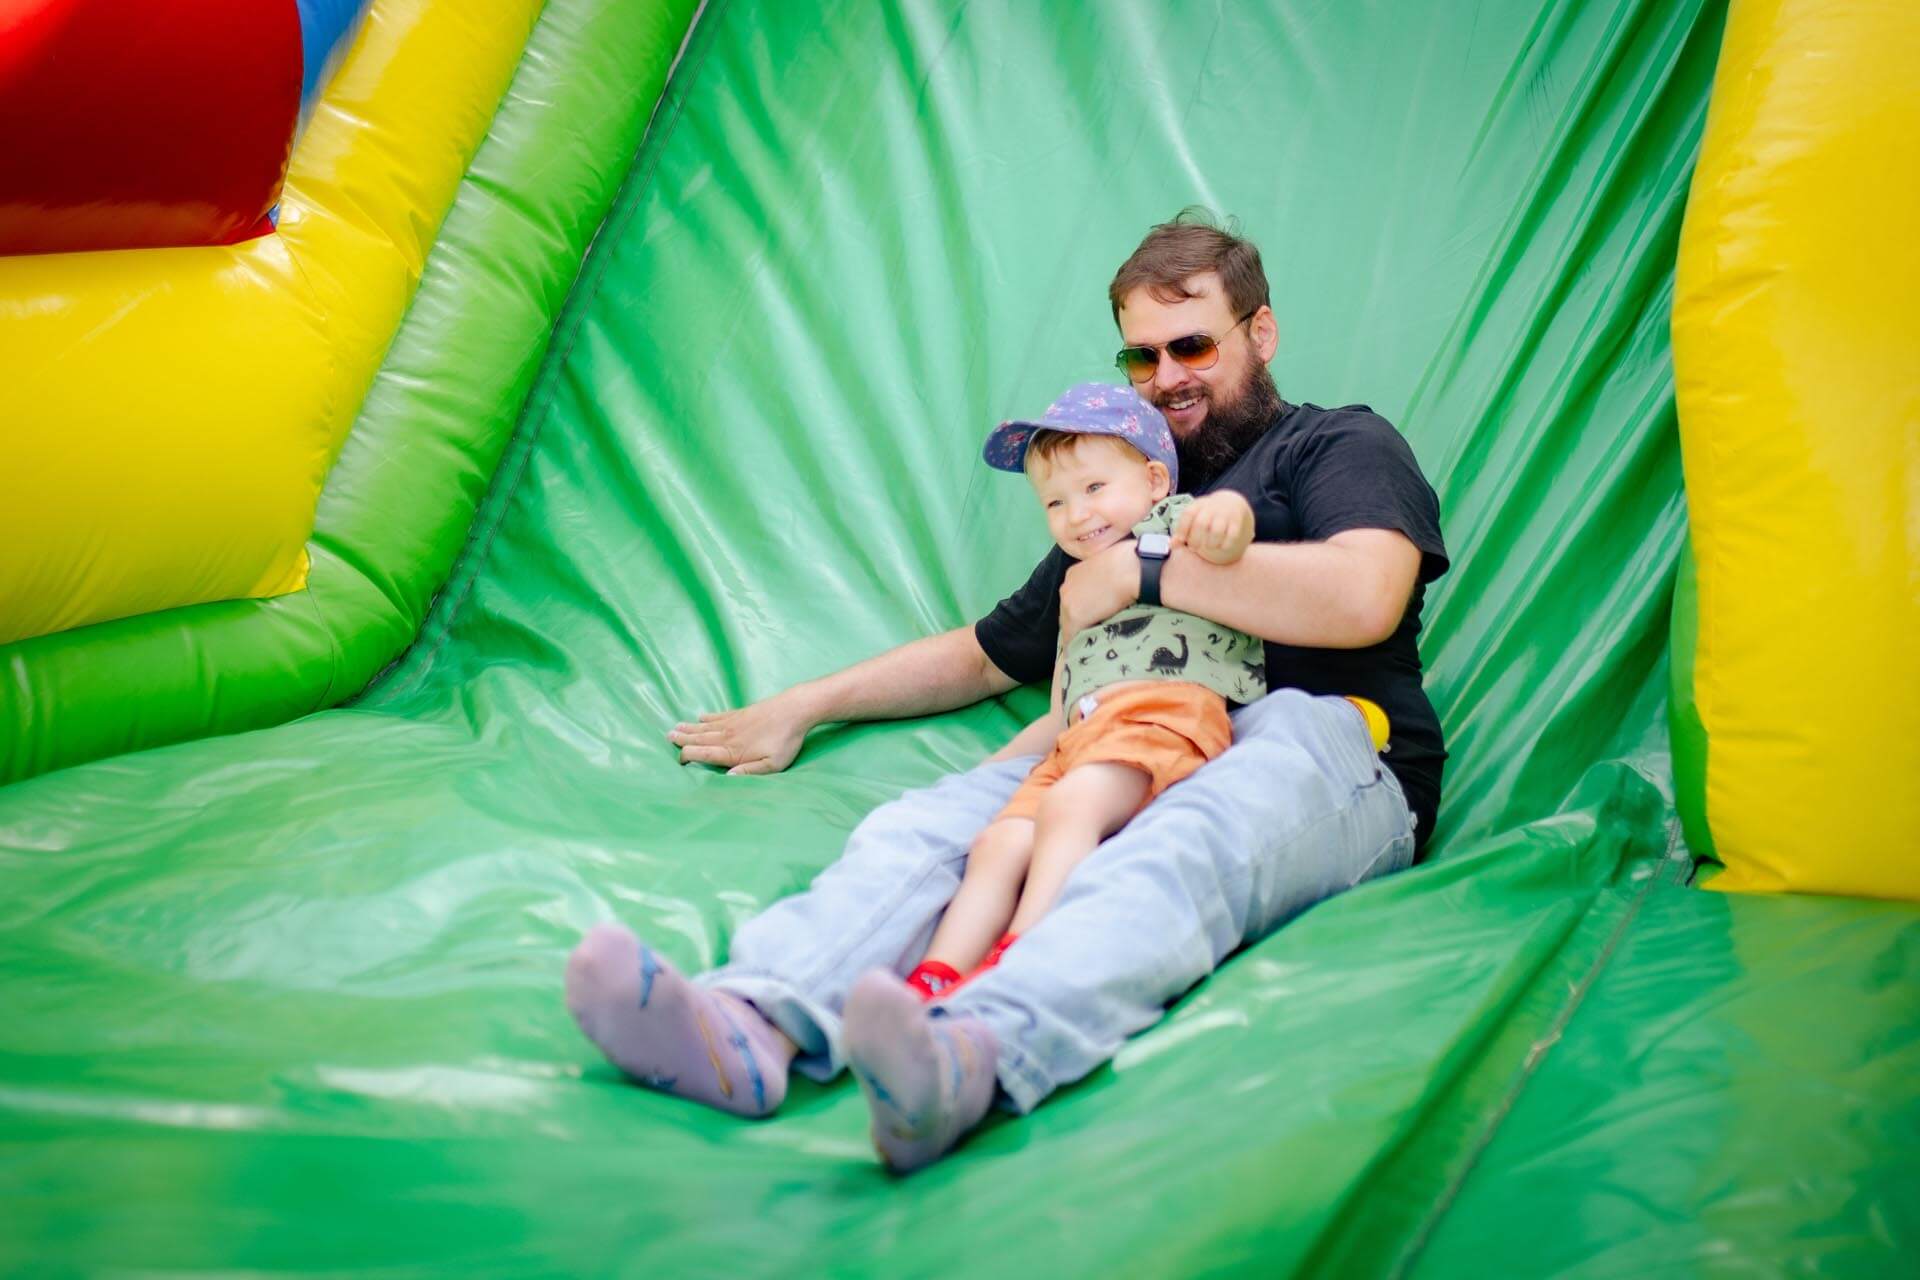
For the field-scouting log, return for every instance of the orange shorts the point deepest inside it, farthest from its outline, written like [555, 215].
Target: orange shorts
[1164, 728]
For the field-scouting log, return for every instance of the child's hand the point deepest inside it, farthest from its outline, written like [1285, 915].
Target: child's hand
[1218, 527]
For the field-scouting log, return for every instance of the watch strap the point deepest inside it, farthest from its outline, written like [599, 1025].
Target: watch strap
[1150, 567]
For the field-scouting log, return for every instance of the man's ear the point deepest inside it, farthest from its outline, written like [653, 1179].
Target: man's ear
[1265, 332]
[1159, 479]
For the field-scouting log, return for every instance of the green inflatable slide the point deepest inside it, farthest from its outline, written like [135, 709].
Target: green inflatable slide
[687, 407]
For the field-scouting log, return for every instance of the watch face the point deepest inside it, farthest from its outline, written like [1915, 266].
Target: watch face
[1154, 546]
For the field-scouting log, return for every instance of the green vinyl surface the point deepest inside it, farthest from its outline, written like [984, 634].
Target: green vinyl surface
[289, 1000]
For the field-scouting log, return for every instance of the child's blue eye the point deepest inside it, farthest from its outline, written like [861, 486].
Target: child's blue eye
[1096, 486]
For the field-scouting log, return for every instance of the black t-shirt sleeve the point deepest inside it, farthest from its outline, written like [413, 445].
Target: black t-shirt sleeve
[1022, 634]
[1361, 474]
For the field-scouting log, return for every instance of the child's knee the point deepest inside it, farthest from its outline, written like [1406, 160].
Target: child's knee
[1002, 847]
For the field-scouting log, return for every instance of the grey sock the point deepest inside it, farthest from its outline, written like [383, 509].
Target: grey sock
[928, 1080]
[669, 1034]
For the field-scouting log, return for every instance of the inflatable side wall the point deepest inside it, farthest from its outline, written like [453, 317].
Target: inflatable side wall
[173, 567]
[1797, 360]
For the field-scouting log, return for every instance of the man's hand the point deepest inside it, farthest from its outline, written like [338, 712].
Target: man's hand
[1217, 528]
[932, 674]
[1098, 587]
[761, 738]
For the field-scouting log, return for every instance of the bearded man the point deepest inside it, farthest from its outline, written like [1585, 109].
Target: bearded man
[1347, 535]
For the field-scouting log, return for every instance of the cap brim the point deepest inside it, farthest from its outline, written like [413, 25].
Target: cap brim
[1006, 447]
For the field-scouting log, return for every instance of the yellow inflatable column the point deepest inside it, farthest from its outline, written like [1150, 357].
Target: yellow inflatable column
[1796, 336]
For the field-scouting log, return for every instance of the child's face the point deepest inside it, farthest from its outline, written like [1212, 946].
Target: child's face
[1095, 492]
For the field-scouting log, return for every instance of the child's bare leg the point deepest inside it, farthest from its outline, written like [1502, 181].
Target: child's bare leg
[1085, 807]
[996, 867]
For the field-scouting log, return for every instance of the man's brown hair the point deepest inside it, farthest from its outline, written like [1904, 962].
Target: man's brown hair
[1193, 243]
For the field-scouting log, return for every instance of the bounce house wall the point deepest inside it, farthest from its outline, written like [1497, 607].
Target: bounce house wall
[143, 123]
[423, 444]
[174, 412]
[1797, 344]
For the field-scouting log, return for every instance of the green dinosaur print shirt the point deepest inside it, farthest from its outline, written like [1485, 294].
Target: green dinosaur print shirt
[1153, 642]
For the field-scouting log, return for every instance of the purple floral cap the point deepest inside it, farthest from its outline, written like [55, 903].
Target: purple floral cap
[1090, 409]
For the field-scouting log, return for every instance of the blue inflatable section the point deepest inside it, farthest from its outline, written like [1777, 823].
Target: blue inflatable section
[326, 28]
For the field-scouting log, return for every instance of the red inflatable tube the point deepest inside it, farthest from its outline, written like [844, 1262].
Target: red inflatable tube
[143, 123]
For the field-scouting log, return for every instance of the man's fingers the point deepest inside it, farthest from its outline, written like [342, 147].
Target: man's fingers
[751, 767]
[724, 756]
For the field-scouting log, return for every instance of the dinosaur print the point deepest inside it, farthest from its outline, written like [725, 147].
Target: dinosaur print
[1165, 662]
[1130, 627]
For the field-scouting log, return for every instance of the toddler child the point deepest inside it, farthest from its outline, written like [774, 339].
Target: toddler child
[1139, 701]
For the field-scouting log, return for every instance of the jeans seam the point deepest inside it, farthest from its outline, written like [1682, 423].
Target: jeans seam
[831, 961]
[1245, 873]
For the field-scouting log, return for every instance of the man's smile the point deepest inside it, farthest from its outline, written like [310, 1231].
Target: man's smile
[1184, 409]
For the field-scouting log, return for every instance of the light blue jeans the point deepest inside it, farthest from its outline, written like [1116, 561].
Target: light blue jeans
[1296, 810]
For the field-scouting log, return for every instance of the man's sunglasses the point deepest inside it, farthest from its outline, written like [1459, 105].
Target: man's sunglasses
[1195, 351]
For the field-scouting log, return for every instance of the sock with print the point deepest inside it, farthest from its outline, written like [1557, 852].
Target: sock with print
[671, 1035]
[928, 1080]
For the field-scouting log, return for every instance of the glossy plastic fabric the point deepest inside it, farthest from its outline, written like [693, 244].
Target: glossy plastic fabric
[290, 999]
[128, 124]
[1797, 346]
[401, 495]
[1771, 1046]
[173, 413]
[325, 29]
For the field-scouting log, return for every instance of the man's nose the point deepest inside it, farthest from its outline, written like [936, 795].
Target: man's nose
[1169, 373]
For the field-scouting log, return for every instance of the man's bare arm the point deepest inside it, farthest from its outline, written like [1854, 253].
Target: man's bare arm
[937, 673]
[1348, 592]
[1038, 738]
[1345, 593]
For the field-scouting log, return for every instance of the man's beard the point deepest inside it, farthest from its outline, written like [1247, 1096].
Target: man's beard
[1229, 430]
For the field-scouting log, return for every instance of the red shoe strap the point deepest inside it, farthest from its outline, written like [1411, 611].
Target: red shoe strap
[932, 978]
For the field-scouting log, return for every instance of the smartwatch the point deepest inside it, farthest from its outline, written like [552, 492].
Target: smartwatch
[1153, 550]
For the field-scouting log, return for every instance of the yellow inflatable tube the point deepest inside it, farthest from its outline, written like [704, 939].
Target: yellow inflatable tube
[171, 413]
[1796, 339]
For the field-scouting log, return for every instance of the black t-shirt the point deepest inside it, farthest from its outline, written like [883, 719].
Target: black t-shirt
[1315, 473]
